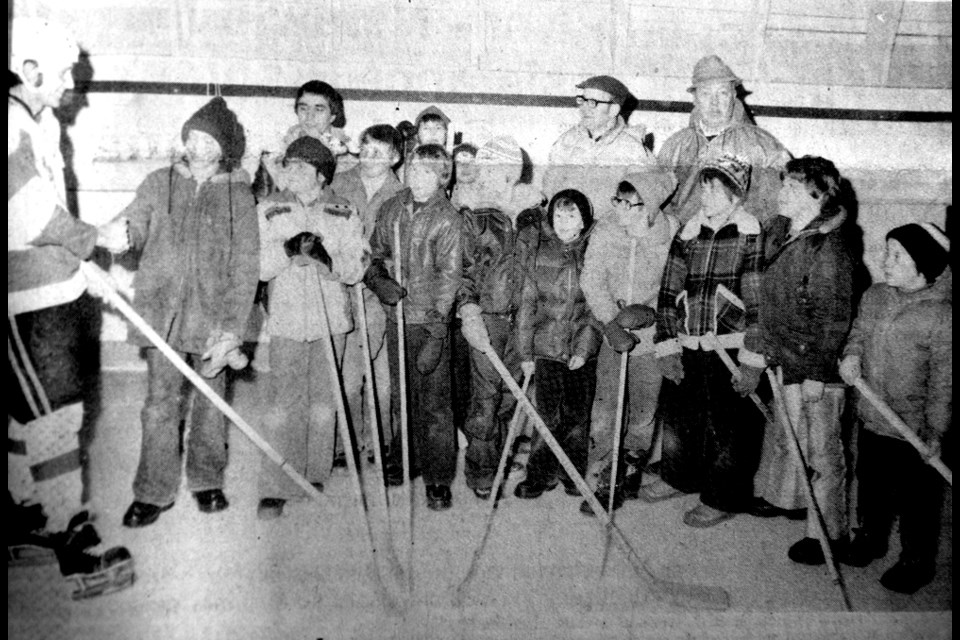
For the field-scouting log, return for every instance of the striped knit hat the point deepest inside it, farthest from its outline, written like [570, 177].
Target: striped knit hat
[500, 150]
[927, 244]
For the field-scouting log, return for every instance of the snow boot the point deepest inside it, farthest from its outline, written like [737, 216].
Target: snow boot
[91, 574]
[28, 541]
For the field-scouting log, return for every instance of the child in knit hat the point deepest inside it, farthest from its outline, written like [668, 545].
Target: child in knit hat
[195, 226]
[902, 345]
[636, 226]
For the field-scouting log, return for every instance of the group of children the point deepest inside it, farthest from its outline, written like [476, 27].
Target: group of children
[592, 300]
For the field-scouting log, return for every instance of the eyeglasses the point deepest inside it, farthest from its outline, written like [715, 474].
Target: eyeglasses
[591, 102]
[615, 201]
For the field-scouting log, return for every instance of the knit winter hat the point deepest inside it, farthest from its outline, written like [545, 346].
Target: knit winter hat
[927, 244]
[500, 150]
[733, 167]
[315, 153]
[216, 119]
[653, 186]
[709, 68]
[433, 110]
[617, 90]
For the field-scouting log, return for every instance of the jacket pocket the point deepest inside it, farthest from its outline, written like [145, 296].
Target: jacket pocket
[730, 314]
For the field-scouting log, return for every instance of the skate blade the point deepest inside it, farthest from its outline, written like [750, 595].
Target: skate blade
[112, 579]
[29, 555]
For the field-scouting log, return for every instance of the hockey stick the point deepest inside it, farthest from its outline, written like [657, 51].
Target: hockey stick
[780, 404]
[903, 429]
[618, 430]
[95, 273]
[374, 422]
[406, 488]
[494, 496]
[677, 593]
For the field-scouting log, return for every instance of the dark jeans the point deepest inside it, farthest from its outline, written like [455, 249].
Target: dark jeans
[433, 438]
[564, 401]
[491, 404]
[894, 480]
[158, 474]
[711, 435]
[460, 374]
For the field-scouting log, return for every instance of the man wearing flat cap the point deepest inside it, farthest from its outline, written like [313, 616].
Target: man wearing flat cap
[719, 124]
[593, 155]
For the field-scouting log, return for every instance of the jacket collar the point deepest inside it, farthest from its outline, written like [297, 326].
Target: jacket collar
[608, 136]
[737, 118]
[821, 225]
[743, 221]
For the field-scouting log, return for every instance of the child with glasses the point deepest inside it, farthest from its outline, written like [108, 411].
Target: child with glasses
[620, 293]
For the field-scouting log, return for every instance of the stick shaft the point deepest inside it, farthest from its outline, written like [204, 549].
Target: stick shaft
[404, 427]
[713, 597]
[115, 299]
[902, 428]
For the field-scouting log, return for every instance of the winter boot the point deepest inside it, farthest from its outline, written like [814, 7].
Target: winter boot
[908, 575]
[865, 548]
[91, 574]
[628, 486]
[28, 542]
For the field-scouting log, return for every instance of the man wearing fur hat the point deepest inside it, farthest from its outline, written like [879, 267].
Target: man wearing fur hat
[621, 278]
[720, 124]
[309, 252]
[195, 225]
[49, 326]
[502, 233]
[593, 155]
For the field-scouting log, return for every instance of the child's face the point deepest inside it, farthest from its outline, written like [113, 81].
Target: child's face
[301, 177]
[314, 113]
[376, 158]
[422, 180]
[433, 132]
[567, 223]
[715, 198]
[899, 269]
[628, 207]
[202, 148]
[466, 169]
[794, 199]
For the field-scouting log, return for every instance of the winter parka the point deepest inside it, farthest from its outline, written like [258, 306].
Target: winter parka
[431, 241]
[686, 151]
[806, 302]
[905, 343]
[554, 321]
[295, 302]
[199, 255]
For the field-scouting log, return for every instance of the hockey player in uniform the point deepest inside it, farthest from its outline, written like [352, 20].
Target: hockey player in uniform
[47, 331]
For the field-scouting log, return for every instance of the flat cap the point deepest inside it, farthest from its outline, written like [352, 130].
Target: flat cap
[617, 90]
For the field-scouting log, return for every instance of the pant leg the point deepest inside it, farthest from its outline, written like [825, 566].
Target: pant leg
[643, 391]
[826, 458]
[578, 391]
[460, 374]
[322, 408]
[158, 473]
[732, 439]
[919, 504]
[491, 405]
[682, 413]
[778, 477]
[432, 433]
[352, 369]
[603, 413]
[875, 484]
[206, 436]
[376, 331]
[285, 423]
[549, 378]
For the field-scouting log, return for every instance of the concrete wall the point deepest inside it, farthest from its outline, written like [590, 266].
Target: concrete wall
[889, 59]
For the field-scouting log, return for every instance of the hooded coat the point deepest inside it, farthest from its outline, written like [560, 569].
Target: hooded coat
[686, 151]
[905, 343]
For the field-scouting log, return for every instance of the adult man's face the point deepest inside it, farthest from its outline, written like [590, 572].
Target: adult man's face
[314, 113]
[714, 101]
[601, 116]
[48, 80]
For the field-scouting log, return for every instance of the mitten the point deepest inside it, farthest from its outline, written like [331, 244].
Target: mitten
[387, 290]
[219, 354]
[850, 369]
[748, 381]
[620, 339]
[671, 367]
[636, 316]
[473, 328]
[428, 357]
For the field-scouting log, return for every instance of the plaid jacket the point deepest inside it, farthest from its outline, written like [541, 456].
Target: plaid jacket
[711, 284]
